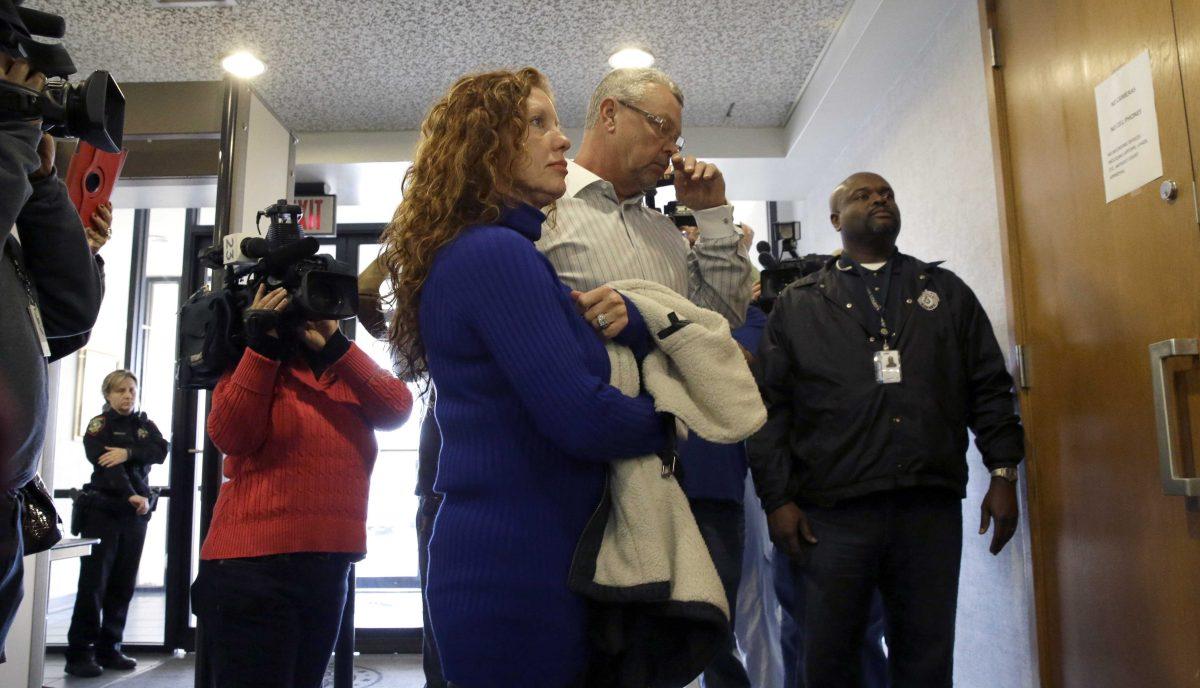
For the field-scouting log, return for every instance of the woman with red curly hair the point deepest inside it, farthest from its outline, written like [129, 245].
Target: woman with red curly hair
[527, 418]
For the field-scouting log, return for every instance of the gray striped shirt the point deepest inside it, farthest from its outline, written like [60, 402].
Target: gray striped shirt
[593, 238]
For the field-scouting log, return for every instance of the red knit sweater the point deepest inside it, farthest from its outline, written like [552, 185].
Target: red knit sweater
[299, 453]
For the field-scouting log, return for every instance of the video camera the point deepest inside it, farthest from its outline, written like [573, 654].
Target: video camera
[319, 287]
[681, 215]
[211, 324]
[779, 272]
[93, 110]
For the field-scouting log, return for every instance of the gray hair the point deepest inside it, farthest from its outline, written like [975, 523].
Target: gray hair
[630, 85]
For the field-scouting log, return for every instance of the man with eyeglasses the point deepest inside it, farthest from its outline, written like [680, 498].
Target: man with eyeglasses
[601, 232]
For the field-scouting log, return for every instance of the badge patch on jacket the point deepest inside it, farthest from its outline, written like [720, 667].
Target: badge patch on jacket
[929, 300]
[96, 425]
[143, 433]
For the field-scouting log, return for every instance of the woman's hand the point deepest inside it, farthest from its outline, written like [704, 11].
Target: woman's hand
[275, 301]
[115, 456]
[603, 308]
[46, 155]
[99, 229]
[316, 333]
[141, 504]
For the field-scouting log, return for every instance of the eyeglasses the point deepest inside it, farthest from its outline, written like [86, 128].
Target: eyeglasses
[660, 123]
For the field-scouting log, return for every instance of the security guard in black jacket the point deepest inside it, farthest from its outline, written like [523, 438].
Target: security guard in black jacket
[872, 370]
[114, 506]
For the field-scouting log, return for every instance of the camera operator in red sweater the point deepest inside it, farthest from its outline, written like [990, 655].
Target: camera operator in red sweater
[296, 419]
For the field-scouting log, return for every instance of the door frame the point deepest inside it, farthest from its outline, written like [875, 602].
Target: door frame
[1010, 251]
[179, 632]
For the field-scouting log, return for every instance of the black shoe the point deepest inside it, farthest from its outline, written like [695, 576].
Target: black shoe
[116, 660]
[83, 667]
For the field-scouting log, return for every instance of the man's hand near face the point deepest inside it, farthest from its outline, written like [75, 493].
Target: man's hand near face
[698, 185]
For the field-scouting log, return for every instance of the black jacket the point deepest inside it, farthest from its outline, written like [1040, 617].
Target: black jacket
[834, 433]
[54, 255]
[146, 446]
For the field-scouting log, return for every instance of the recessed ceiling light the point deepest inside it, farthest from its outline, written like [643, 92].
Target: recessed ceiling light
[630, 57]
[243, 65]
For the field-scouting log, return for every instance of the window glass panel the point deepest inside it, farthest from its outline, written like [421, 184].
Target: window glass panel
[158, 380]
[387, 593]
[166, 235]
[78, 394]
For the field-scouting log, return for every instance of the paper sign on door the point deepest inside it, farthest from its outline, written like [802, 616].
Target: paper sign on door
[1129, 147]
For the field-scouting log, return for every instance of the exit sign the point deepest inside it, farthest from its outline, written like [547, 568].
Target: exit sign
[320, 214]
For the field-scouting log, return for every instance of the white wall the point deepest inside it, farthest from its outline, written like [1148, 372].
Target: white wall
[929, 136]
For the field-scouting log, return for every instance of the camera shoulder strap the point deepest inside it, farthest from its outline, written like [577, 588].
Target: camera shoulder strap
[18, 103]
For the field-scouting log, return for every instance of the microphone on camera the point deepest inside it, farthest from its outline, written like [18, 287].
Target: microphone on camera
[765, 257]
[281, 257]
[42, 23]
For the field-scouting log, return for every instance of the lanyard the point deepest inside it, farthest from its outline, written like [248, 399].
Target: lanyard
[35, 315]
[26, 283]
[884, 331]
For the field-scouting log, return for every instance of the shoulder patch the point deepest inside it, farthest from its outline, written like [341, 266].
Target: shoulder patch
[142, 433]
[96, 425]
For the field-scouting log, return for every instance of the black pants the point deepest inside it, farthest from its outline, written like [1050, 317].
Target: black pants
[271, 622]
[908, 545]
[107, 578]
[12, 571]
[789, 590]
[430, 660]
[723, 526]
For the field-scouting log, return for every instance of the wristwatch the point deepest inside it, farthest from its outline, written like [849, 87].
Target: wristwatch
[1009, 473]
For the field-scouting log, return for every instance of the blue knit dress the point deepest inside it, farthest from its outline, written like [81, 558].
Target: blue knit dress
[528, 422]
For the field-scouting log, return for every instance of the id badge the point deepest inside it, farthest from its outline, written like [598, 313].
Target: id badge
[36, 317]
[887, 367]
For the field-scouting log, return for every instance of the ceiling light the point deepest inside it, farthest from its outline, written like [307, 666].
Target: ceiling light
[630, 57]
[243, 65]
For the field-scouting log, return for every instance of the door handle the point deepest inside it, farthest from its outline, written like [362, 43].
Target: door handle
[1168, 431]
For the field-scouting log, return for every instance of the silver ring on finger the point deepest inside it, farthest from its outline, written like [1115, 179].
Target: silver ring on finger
[602, 321]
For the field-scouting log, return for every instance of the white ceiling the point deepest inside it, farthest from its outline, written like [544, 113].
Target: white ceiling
[377, 65]
[875, 45]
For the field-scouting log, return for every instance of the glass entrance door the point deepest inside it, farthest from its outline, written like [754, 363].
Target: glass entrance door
[136, 330]
[388, 600]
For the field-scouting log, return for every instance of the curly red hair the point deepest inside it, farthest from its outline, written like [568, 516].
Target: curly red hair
[462, 174]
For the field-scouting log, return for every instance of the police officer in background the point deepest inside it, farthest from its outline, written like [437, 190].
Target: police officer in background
[872, 370]
[114, 506]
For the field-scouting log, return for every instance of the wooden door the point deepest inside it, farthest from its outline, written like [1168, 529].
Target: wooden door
[1116, 561]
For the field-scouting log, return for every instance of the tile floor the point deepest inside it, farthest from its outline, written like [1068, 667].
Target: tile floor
[165, 671]
[374, 608]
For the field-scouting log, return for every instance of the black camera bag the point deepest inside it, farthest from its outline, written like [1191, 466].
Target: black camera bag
[206, 340]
